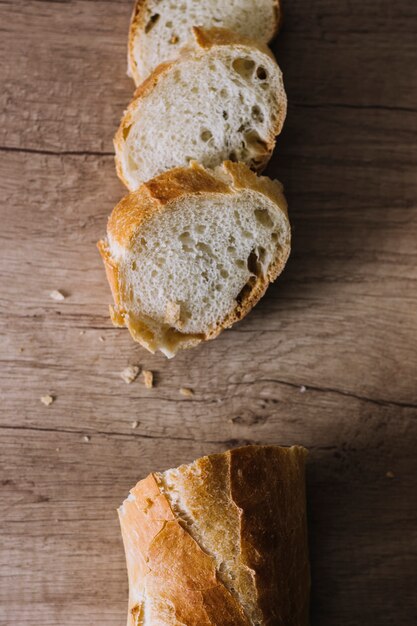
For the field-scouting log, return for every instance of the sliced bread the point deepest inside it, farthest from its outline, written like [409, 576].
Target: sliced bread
[223, 98]
[192, 251]
[159, 30]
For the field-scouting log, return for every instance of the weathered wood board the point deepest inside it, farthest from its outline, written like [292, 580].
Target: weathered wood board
[341, 322]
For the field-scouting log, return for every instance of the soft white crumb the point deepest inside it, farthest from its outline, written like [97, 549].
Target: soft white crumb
[86, 438]
[130, 373]
[135, 424]
[303, 389]
[57, 295]
[186, 392]
[148, 378]
[47, 400]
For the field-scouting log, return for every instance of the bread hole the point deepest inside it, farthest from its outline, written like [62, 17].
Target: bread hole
[261, 254]
[254, 143]
[151, 22]
[257, 114]
[225, 115]
[261, 73]
[253, 264]
[200, 229]
[154, 274]
[168, 24]
[223, 93]
[188, 159]
[126, 131]
[263, 218]
[247, 234]
[160, 262]
[274, 236]
[240, 263]
[243, 66]
[132, 163]
[133, 266]
[231, 237]
[206, 135]
[212, 67]
[231, 249]
[232, 156]
[218, 287]
[195, 89]
[246, 290]
[205, 248]
[224, 273]
[264, 86]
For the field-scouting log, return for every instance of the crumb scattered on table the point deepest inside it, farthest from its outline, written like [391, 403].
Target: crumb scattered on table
[86, 438]
[47, 400]
[148, 378]
[130, 373]
[390, 474]
[135, 424]
[303, 389]
[101, 338]
[82, 332]
[186, 392]
[57, 295]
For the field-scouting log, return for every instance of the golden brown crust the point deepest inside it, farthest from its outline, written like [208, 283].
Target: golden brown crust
[168, 568]
[161, 194]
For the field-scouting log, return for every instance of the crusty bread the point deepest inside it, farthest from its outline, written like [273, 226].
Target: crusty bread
[223, 98]
[220, 542]
[192, 251]
[159, 30]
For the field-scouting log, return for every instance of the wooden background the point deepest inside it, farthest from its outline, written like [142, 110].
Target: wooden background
[342, 321]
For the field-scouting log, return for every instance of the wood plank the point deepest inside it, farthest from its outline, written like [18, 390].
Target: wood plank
[328, 359]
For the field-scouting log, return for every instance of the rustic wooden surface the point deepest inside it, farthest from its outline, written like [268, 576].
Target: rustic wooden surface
[342, 321]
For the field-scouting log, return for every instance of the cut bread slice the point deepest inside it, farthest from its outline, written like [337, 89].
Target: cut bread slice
[192, 251]
[157, 32]
[222, 99]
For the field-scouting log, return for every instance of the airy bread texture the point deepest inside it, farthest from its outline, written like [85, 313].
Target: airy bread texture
[220, 542]
[222, 99]
[192, 251]
[159, 30]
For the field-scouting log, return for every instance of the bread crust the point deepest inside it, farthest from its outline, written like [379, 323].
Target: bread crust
[204, 39]
[137, 23]
[161, 194]
[168, 567]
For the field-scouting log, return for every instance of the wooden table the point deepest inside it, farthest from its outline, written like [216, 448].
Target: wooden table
[327, 360]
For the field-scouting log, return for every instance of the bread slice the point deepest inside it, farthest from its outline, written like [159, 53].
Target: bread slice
[157, 32]
[192, 251]
[222, 99]
[220, 542]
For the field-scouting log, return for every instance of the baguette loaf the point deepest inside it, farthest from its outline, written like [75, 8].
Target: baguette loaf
[157, 31]
[220, 542]
[192, 251]
[223, 98]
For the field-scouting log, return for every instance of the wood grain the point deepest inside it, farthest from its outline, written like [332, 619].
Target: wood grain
[341, 322]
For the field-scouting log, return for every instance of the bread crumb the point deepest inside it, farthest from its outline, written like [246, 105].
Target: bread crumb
[172, 313]
[101, 338]
[86, 438]
[390, 474]
[82, 332]
[47, 400]
[303, 389]
[57, 295]
[186, 392]
[174, 39]
[21, 349]
[148, 378]
[135, 424]
[130, 373]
